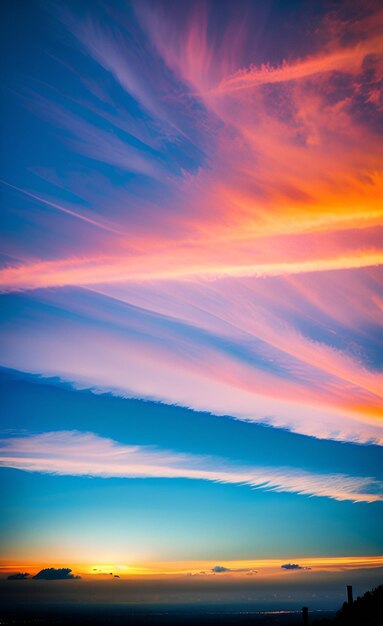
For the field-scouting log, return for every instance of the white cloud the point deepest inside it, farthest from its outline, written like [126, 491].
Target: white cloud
[74, 453]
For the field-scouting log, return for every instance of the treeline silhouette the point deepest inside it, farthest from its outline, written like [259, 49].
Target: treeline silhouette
[364, 611]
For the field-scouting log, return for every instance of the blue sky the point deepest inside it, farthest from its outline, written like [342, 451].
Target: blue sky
[193, 519]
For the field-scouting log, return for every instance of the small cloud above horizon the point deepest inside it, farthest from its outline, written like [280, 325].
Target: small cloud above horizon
[19, 576]
[51, 573]
[220, 569]
[293, 566]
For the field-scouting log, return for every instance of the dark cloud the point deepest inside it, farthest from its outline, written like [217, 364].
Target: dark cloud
[18, 576]
[219, 569]
[51, 573]
[293, 566]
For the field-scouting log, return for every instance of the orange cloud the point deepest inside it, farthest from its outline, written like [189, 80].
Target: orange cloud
[291, 190]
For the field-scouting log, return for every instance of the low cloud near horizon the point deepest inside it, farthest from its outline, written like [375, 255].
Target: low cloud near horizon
[293, 566]
[221, 569]
[19, 576]
[52, 573]
[48, 573]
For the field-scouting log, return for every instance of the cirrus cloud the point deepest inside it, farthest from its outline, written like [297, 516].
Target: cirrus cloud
[72, 453]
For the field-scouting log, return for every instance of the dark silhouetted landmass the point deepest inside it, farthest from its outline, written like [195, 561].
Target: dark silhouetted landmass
[365, 611]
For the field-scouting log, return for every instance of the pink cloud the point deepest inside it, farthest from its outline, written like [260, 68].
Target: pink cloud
[272, 232]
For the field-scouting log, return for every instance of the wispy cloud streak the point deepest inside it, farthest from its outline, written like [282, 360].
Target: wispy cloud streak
[85, 454]
[346, 60]
[61, 208]
[98, 270]
[217, 354]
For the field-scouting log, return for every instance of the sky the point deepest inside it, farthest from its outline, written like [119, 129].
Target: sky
[192, 293]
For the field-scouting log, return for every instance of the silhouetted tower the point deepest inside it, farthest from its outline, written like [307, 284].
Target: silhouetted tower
[305, 615]
[350, 598]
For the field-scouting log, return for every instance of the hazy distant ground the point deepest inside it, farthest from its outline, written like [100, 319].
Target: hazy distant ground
[189, 601]
[186, 601]
[141, 616]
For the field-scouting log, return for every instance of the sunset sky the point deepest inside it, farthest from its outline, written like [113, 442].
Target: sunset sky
[192, 292]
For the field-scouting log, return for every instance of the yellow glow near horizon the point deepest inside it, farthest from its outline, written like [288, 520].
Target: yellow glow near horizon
[266, 567]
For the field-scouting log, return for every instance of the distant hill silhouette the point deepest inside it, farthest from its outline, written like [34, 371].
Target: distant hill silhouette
[365, 611]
